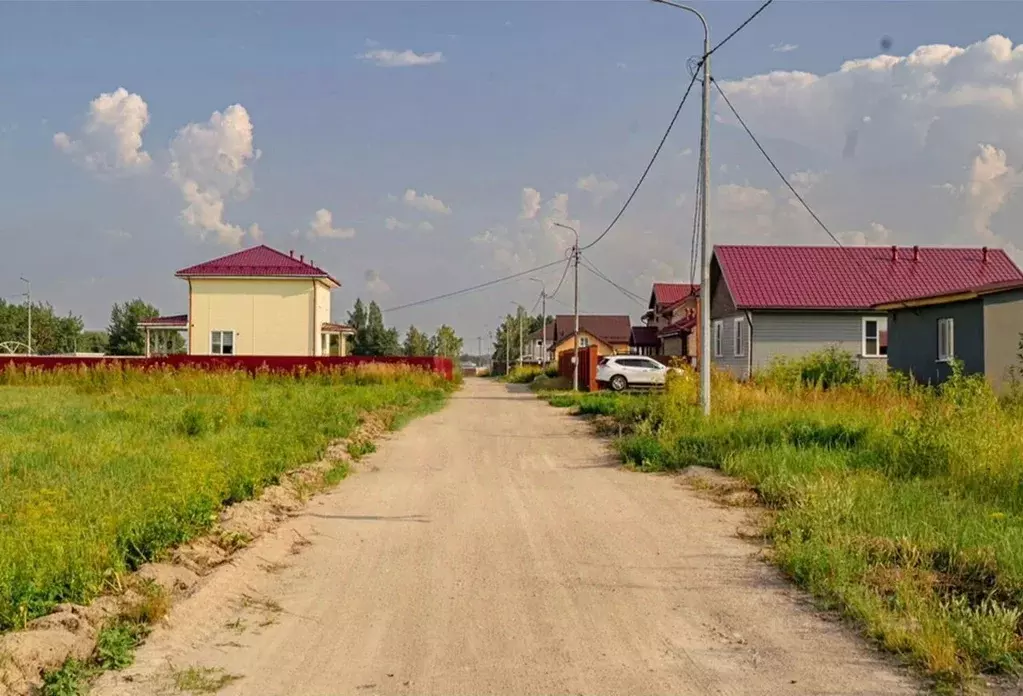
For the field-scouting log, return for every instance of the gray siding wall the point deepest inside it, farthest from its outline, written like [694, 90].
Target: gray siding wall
[913, 339]
[1003, 324]
[738, 365]
[794, 334]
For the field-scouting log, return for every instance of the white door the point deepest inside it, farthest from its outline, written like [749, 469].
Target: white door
[656, 371]
[635, 370]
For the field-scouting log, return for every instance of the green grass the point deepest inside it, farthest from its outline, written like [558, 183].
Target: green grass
[103, 470]
[900, 506]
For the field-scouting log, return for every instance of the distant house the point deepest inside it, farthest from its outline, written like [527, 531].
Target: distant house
[643, 340]
[535, 350]
[672, 311]
[258, 301]
[787, 301]
[609, 332]
[980, 327]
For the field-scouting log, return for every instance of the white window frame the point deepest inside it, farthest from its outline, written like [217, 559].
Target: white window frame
[738, 347]
[222, 333]
[882, 325]
[718, 338]
[584, 341]
[950, 351]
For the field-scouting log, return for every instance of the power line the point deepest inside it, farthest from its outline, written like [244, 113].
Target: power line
[649, 165]
[564, 275]
[474, 288]
[737, 30]
[773, 165]
[595, 271]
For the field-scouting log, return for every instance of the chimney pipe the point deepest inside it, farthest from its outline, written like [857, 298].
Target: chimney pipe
[895, 253]
[916, 253]
[985, 254]
[301, 257]
[292, 253]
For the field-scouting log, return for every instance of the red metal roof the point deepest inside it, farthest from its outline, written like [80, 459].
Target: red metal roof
[260, 261]
[940, 298]
[169, 321]
[643, 336]
[610, 328]
[684, 325]
[808, 277]
[671, 293]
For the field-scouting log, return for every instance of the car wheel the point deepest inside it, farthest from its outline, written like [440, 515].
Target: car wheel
[619, 383]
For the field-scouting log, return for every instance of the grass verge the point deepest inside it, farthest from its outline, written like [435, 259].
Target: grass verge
[104, 469]
[900, 506]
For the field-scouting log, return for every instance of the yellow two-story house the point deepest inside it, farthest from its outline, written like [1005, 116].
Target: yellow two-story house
[258, 301]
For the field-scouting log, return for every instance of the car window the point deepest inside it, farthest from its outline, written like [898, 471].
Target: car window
[653, 363]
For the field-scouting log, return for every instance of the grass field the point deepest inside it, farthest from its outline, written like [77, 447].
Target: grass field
[103, 470]
[898, 505]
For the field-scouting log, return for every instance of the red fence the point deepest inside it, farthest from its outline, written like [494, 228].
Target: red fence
[588, 360]
[249, 363]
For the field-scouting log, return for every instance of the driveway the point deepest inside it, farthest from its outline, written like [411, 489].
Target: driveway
[495, 547]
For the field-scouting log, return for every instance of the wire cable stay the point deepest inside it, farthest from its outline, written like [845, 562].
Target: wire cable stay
[588, 265]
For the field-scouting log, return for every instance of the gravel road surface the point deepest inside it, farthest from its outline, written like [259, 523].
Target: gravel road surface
[495, 547]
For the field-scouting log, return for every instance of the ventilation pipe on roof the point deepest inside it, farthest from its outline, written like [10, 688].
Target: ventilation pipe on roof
[985, 254]
[292, 253]
[895, 253]
[916, 253]
[301, 257]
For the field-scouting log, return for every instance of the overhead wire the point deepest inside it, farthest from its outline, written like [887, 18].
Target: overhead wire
[564, 274]
[739, 28]
[588, 265]
[646, 171]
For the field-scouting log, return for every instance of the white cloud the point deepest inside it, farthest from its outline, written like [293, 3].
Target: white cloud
[386, 58]
[322, 227]
[734, 198]
[805, 180]
[685, 153]
[599, 187]
[116, 233]
[425, 226]
[425, 202]
[209, 162]
[376, 284]
[991, 183]
[875, 234]
[112, 135]
[530, 203]
[393, 223]
[783, 47]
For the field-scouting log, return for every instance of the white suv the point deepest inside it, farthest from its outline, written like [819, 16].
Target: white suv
[620, 372]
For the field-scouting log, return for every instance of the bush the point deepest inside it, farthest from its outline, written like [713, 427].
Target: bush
[523, 374]
[825, 369]
[551, 371]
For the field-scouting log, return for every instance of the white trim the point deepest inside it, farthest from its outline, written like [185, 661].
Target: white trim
[222, 332]
[882, 325]
[718, 336]
[738, 347]
[950, 348]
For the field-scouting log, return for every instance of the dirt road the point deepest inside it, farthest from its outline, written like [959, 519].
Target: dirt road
[496, 548]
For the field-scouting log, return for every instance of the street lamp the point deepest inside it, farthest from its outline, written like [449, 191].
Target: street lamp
[704, 194]
[575, 337]
[543, 319]
[518, 320]
[28, 302]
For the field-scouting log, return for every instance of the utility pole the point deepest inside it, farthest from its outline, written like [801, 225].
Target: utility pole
[479, 350]
[543, 320]
[518, 315]
[490, 353]
[575, 336]
[705, 246]
[28, 302]
[507, 349]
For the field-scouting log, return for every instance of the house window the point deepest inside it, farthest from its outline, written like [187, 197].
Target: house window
[719, 349]
[946, 340]
[874, 331]
[738, 346]
[584, 342]
[222, 342]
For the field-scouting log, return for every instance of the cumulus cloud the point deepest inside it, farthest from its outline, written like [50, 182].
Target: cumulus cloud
[425, 226]
[386, 58]
[425, 202]
[322, 227]
[783, 47]
[393, 223]
[210, 162]
[736, 198]
[597, 186]
[991, 183]
[530, 203]
[376, 284]
[111, 139]
[875, 234]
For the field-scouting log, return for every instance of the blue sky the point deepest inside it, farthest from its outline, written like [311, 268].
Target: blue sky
[523, 95]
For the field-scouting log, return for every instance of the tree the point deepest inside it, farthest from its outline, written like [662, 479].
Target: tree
[416, 343]
[446, 343]
[93, 342]
[510, 329]
[125, 336]
[357, 320]
[391, 343]
[50, 333]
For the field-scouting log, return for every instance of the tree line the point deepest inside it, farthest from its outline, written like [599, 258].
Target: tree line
[53, 334]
